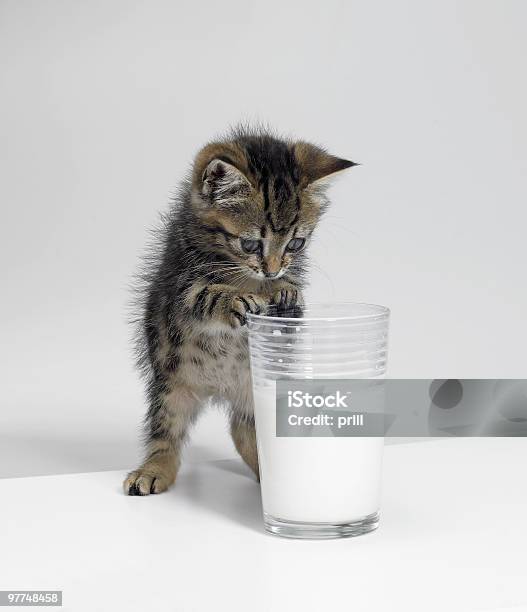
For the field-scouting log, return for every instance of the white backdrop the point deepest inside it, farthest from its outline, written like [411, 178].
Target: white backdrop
[104, 103]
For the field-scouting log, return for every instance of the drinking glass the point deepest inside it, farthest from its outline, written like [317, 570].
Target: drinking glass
[317, 486]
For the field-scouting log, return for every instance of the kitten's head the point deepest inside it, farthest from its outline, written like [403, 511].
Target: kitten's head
[259, 199]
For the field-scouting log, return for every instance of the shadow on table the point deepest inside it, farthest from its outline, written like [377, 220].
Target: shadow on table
[228, 488]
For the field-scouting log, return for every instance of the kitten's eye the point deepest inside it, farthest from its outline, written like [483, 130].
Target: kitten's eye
[250, 246]
[296, 244]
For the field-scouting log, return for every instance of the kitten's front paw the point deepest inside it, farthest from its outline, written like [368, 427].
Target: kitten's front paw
[288, 298]
[145, 481]
[241, 305]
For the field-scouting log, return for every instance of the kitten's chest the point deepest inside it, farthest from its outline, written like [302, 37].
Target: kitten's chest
[219, 362]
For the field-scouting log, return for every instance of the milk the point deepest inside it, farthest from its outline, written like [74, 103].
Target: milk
[315, 479]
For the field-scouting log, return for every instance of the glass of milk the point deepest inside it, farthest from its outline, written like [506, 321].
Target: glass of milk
[322, 486]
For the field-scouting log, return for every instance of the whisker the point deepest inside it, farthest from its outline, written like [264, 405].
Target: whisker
[324, 273]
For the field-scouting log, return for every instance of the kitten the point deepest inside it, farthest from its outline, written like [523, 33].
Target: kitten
[234, 242]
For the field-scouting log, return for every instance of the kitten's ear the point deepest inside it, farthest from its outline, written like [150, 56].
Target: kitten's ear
[219, 174]
[316, 164]
[220, 180]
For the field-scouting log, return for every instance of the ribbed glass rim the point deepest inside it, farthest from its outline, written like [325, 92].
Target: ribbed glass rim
[376, 312]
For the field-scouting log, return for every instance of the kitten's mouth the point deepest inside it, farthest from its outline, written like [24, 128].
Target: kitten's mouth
[259, 275]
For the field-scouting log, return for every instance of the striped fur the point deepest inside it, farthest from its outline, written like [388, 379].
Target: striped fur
[249, 189]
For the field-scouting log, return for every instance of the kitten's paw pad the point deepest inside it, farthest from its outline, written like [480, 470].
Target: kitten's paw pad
[243, 304]
[144, 482]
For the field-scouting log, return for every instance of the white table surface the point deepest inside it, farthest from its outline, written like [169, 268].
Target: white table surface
[452, 537]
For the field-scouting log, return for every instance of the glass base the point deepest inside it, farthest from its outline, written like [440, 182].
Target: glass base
[320, 531]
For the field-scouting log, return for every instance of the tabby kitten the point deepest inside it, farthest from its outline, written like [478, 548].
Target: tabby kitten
[234, 242]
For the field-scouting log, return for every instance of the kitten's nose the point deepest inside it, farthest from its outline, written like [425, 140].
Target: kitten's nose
[271, 266]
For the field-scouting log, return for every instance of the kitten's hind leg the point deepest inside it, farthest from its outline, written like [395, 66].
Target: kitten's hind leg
[243, 435]
[157, 473]
[168, 420]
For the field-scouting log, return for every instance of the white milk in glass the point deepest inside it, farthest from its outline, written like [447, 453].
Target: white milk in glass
[316, 479]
